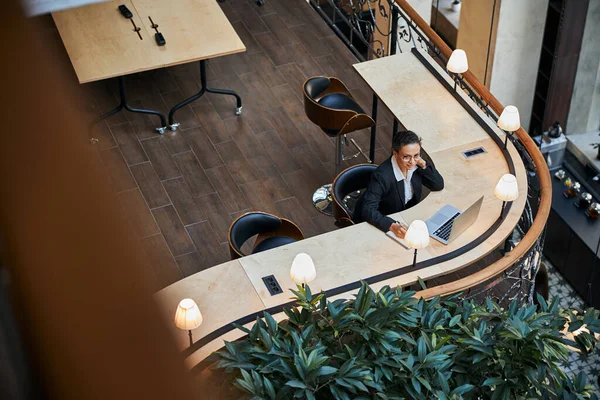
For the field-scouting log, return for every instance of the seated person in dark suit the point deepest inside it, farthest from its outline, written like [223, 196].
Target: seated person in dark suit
[396, 184]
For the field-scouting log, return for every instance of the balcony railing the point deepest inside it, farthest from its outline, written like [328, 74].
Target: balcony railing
[378, 28]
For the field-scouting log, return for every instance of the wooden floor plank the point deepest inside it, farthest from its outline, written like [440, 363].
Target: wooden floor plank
[259, 197]
[190, 263]
[150, 185]
[279, 152]
[172, 229]
[163, 164]
[288, 132]
[211, 121]
[193, 174]
[266, 69]
[209, 250]
[227, 189]
[128, 142]
[251, 44]
[276, 52]
[203, 148]
[184, 202]
[279, 29]
[236, 163]
[217, 214]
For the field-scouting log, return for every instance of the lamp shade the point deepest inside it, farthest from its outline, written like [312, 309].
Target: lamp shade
[509, 119]
[188, 316]
[303, 269]
[507, 188]
[417, 235]
[458, 62]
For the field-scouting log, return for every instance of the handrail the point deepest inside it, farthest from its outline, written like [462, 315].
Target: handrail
[539, 222]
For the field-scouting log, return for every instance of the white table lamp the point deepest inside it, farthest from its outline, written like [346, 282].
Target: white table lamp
[188, 316]
[303, 269]
[417, 237]
[509, 121]
[457, 63]
[507, 189]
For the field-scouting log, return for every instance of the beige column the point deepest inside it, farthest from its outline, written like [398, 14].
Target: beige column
[517, 53]
[477, 35]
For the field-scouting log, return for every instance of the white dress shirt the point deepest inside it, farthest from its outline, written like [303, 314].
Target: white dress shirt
[408, 189]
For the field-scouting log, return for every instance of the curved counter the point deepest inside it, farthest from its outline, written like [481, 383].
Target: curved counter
[450, 123]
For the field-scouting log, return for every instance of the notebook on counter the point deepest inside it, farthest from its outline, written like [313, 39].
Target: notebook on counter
[395, 238]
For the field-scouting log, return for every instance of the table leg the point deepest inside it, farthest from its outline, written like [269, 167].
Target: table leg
[173, 125]
[373, 130]
[126, 106]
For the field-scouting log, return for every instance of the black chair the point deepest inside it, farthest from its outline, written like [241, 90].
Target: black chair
[346, 188]
[329, 104]
[272, 232]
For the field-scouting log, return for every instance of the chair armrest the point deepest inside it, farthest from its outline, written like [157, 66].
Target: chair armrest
[356, 123]
[289, 229]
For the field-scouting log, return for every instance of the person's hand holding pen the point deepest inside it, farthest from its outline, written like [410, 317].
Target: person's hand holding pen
[399, 229]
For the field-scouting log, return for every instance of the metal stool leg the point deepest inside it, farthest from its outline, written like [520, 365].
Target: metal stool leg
[322, 199]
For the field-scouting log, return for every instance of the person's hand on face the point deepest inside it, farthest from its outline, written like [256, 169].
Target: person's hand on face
[421, 163]
[398, 229]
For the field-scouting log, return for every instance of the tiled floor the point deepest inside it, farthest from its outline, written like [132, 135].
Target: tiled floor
[181, 191]
[568, 299]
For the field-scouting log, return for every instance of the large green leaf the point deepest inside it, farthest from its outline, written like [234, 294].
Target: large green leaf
[296, 384]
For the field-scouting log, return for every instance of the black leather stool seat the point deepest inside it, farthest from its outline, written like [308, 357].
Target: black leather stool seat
[339, 101]
[270, 230]
[272, 242]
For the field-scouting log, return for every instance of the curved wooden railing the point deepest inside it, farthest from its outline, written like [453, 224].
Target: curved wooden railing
[539, 223]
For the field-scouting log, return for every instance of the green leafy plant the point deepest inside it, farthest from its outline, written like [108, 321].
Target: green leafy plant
[389, 345]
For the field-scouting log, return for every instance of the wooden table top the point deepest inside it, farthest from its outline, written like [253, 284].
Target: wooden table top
[361, 251]
[102, 44]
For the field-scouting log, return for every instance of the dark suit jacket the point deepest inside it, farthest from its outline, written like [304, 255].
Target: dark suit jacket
[385, 195]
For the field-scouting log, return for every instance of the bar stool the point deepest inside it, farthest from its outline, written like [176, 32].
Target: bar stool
[272, 232]
[329, 105]
[346, 189]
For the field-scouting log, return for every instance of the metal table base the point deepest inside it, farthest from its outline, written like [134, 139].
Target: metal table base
[126, 106]
[203, 89]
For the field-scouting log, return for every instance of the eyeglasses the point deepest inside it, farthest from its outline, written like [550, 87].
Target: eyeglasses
[416, 157]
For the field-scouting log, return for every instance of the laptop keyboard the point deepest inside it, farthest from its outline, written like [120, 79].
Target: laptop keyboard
[443, 231]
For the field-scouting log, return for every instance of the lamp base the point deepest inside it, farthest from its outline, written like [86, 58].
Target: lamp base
[501, 217]
[191, 341]
[415, 259]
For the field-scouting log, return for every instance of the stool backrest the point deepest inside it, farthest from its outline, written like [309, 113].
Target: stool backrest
[248, 225]
[350, 180]
[324, 117]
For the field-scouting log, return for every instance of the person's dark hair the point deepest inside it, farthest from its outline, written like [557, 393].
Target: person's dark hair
[404, 138]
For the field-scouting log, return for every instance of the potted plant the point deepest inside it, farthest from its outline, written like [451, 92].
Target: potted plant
[389, 345]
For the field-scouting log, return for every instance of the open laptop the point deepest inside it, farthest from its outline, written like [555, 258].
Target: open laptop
[449, 223]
